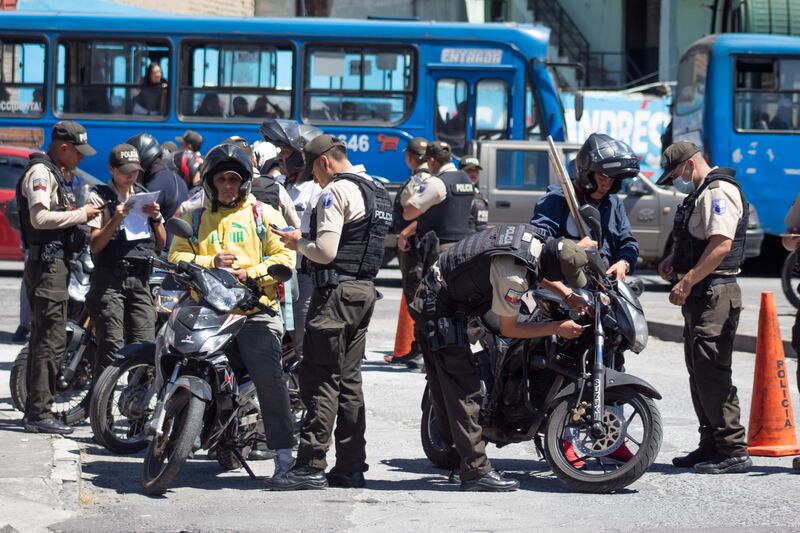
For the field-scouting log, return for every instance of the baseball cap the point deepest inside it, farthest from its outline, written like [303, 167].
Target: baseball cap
[673, 156]
[563, 259]
[75, 134]
[417, 146]
[170, 147]
[318, 146]
[469, 161]
[125, 158]
[192, 138]
[438, 150]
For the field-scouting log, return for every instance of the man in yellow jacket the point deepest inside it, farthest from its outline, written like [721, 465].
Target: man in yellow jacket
[232, 231]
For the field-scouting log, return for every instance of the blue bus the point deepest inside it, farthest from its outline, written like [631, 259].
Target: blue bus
[375, 84]
[738, 97]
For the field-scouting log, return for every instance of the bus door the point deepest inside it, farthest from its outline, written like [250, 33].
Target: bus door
[471, 105]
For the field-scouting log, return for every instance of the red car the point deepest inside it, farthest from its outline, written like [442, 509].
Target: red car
[13, 160]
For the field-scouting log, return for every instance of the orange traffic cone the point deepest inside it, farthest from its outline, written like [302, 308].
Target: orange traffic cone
[405, 332]
[771, 429]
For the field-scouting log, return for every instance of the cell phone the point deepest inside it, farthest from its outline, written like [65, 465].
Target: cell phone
[286, 229]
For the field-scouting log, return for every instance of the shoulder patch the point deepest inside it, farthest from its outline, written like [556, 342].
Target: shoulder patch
[327, 200]
[40, 184]
[197, 195]
[421, 188]
[719, 206]
[514, 296]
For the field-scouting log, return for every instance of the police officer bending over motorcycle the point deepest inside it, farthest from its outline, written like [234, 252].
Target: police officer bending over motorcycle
[119, 298]
[343, 254]
[489, 271]
[49, 220]
[232, 231]
[600, 166]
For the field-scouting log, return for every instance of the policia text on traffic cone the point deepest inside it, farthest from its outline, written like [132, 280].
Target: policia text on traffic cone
[771, 429]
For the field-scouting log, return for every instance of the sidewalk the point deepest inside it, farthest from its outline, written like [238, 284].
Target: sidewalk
[39, 474]
[666, 322]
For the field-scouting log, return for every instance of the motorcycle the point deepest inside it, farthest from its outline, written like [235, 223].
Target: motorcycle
[790, 278]
[597, 427]
[204, 400]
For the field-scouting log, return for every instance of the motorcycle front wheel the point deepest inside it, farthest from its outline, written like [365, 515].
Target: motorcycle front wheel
[167, 454]
[629, 446]
[122, 401]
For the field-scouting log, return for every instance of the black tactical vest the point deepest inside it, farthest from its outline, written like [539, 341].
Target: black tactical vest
[465, 266]
[361, 245]
[266, 189]
[479, 215]
[450, 218]
[66, 202]
[688, 249]
[119, 247]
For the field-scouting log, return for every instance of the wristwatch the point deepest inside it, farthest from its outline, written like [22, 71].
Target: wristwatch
[159, 219]
[627, 266]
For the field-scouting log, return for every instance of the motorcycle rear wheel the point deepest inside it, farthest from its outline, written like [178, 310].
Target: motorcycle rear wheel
[790, 278]
[167, 454]
[627, 404]
[124, 381]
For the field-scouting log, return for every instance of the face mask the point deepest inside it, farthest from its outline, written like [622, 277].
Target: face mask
[686, 187]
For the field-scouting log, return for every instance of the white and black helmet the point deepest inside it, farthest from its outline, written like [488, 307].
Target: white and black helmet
[227, 157]
[606, 155]
[282, 132]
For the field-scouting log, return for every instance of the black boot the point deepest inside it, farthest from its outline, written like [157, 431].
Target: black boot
[692, 458]
[299, 478]
[346, 480]
[47, 425]
[724, 465]
[491, 482]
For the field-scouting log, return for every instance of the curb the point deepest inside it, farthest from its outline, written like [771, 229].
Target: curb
[66, 472]
[742, 343]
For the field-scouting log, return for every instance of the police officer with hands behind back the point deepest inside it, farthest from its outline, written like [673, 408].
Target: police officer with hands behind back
[709, 242]
[479, 218]
[343, 255]
[49, 223]
[489, 271]
[119, 298]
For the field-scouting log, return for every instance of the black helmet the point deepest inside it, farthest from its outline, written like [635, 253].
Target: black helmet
[606, 155]
[225, 157]
[281, 132]
[148, 148]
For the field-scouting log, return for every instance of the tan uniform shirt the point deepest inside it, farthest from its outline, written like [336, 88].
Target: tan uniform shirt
[433, 191]
[106, 214]
[339, 203]
[419, 177]
[717, 212]
[509, 281]
[40, 187]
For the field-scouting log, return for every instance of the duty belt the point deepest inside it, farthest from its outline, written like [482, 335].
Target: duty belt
[321, 279]
[46, 253]
[126, 267]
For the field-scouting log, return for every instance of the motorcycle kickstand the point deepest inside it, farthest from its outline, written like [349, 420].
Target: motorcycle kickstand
[537, 441]
[246, 466]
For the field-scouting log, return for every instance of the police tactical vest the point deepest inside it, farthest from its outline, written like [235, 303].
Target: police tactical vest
[450, 218]
[361, 245]
[479, 215]
[266, 189]
[119, 247]
[689, 249]
[465, 266]
[65, 199]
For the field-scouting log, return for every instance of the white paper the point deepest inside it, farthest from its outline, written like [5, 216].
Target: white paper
[137, 223]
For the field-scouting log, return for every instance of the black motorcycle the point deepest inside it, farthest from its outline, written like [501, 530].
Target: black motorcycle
[204, 400]
[598, 427]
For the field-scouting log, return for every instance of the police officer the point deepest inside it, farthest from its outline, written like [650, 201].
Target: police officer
[417, 162]
[191, 140]
[600, 166]
[442, 205]
[479, 218]
[489, 271]
[119, 298]
[159, 174]
[343, 254]
[708, 249]
[791, 242]
[49, 221]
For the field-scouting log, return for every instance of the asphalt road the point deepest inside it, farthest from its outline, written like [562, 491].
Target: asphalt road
[406, 493]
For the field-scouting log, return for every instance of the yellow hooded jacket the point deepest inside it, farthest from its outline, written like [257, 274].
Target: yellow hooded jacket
[234, 230]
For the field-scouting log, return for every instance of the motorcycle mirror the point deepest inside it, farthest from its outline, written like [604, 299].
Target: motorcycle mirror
[280, 272]
[592, 217]
[179, 227]
[636, 285]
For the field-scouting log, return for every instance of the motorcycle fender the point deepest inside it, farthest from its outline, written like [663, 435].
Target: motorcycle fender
[615, 380]
[197, 386]
[136, 349]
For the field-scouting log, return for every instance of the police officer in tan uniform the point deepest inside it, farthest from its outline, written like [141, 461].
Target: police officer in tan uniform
[479, 217]
[342, 254]
[49, 220]
[708, 250]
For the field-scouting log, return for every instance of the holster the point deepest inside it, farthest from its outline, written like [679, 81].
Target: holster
[47, 253]
[428, 252]
[441, 331]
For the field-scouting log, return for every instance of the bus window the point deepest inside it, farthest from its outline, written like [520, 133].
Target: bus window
[22, 67]
[112, 78]
[533, 128]
[239, 81]
[358, 85]
[692, 71]
[450, 124]
[527, 170]
[491, 110]
[767, 94]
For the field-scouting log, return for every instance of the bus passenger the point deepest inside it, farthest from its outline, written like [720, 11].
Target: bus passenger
[150, 100]
[240, 107]
[210, 106]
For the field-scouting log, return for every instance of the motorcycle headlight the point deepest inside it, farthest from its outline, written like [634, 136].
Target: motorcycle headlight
[167, 300]
[215, 343]
[631, 319]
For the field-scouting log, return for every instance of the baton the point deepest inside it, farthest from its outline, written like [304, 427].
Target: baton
[566, 186]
